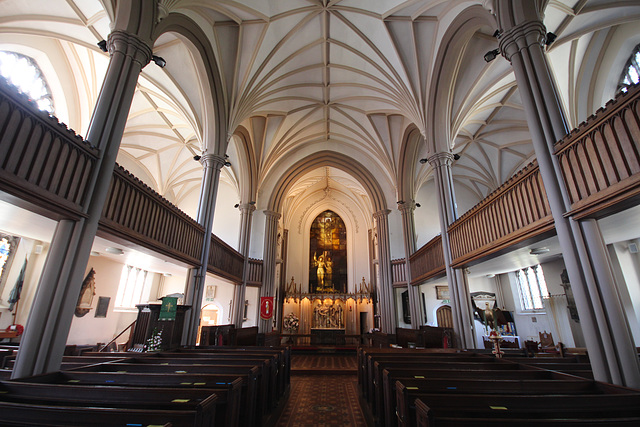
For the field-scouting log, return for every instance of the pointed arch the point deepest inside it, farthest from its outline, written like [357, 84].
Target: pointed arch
[333, 159]
[446, 64]
[215, 137]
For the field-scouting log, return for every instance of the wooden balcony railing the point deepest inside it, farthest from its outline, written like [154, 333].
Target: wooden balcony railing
[518, 210]
[398, 272]
[600, 160]
[225, 261]
[41, 160]
[427, 262]
[254, 272]
[135, 212]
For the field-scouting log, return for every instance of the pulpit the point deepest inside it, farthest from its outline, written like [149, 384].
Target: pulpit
[149, 320]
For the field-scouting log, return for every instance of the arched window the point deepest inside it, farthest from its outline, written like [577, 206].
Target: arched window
[631, 72]
[23, 72]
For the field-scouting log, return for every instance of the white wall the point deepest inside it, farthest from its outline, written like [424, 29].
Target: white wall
[90, 329]
[33, 271]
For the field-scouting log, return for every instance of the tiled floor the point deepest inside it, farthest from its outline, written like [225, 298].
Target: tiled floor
[323, 400]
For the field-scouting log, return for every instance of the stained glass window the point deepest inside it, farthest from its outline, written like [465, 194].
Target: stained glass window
[328, 254]
[23, 72]
[631, 71]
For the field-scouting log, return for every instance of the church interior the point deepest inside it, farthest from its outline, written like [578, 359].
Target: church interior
[417, 201]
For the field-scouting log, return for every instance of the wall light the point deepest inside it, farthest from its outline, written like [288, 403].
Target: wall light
[102, 44]
[491, 55]
[160, 62]
[423, 161]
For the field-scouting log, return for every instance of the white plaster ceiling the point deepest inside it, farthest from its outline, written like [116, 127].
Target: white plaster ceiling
[344, 75]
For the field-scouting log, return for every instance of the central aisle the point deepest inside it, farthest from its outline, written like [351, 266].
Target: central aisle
[324, 392]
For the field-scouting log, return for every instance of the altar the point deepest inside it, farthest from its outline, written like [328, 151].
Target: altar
[327, 318]
[332, 336]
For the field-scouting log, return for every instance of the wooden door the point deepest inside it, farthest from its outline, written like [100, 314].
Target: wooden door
[444, 317]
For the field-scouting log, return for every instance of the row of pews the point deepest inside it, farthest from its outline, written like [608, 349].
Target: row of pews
[213, 386]
[431, 387]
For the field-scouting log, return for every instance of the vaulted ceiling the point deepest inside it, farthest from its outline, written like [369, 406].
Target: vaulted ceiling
[304, 76]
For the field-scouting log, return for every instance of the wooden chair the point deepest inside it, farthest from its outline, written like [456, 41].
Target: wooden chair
[548, 346]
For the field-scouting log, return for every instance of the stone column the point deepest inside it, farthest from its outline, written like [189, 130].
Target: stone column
[388, 321]
[409, 232]
[456, 278]
[612, 354]
[246, 215]
[269, 265]
[44, 340]
[212, 163]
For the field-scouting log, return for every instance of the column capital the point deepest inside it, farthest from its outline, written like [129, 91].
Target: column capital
[271, 215]
[381, 214]
[407, 207]
[247, 207]
[131, 45]
[210, 160]
[437, 160]
[522, 36]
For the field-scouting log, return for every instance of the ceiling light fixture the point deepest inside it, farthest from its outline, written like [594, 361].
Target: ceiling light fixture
[114, 251]
[538, 251]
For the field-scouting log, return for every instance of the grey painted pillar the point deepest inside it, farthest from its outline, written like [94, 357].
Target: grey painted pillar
[521, 43]
[388, 320]
[246, 215]
[42, 345]
[456, 278]
[409, 233]
[268, 288]
[212, 163]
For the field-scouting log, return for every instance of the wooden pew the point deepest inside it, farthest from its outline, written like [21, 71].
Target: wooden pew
[16, 413]
[456, 381]
[220, 382]
[375, 396]
[424, 418]
[611, 402]
[266, 379]
[184, 399]
[377, 393]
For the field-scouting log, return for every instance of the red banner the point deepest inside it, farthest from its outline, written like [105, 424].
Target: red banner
[266, 308]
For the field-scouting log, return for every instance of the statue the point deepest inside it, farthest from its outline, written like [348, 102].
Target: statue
[291, 287]
[319, 262]
[364, 287]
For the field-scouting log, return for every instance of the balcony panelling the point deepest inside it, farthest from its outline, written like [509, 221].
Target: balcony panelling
[41, 160]
[600, 160]
[427, 262]
[518, 210]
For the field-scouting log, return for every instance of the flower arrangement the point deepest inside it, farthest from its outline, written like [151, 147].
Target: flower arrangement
[154, 343]
[290, 323]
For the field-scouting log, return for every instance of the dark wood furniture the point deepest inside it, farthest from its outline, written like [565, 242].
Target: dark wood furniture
[148, 321]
